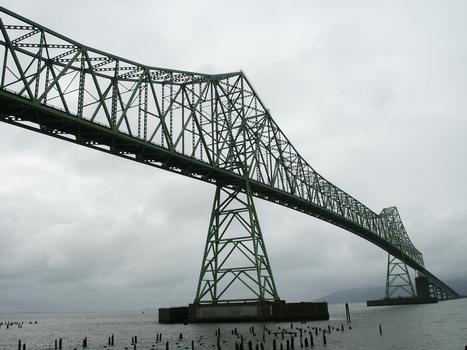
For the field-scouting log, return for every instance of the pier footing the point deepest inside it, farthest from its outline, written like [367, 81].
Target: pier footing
[401, 301]
[245, 312]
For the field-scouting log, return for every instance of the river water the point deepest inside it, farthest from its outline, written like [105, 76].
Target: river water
[431, 326]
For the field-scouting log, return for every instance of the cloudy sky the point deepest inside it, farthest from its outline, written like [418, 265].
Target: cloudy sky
[372, 94]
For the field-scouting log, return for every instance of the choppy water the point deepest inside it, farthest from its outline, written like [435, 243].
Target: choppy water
[432, 326]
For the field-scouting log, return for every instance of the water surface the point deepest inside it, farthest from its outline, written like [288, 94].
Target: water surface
[431, 326]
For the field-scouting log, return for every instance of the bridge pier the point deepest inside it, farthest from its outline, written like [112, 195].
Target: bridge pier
[398, 280]
[423, 287]
[426, 291]
[235, 261]
[268, 311]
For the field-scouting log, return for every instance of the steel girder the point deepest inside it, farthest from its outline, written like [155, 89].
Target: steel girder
[210, 127]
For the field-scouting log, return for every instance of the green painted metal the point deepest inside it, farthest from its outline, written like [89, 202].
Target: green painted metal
[235, 253]
[213, 128]
[398, 280]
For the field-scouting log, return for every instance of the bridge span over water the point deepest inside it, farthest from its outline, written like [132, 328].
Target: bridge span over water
[212, 128]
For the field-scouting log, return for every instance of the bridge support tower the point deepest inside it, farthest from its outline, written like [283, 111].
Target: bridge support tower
[400, 289]
[398, 279]
[236, 282]
[235, 258]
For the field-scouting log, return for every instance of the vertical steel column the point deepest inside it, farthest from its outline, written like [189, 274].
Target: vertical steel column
[82, 79]
[115, 95]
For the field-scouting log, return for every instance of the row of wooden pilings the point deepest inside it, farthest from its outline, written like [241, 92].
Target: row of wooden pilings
[283, 338]
[17, 324]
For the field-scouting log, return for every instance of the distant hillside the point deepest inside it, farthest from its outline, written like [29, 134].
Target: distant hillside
[357, 295]
[459, 285]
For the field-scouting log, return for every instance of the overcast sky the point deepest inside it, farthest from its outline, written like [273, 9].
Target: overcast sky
[372, 94]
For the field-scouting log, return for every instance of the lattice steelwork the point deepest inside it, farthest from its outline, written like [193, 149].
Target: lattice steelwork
[398, 280]
[235, 254]
[210, 127]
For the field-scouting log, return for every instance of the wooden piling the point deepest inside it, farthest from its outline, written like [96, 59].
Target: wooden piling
[347, 313]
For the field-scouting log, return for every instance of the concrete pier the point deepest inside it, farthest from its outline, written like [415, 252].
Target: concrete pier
[245, 312]
[401, 301]
[173, 314]
[423, 287]
[423, 296]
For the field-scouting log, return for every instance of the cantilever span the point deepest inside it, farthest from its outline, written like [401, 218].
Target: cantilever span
[212, 128]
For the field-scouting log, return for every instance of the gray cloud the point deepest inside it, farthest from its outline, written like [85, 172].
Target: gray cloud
[372, 94]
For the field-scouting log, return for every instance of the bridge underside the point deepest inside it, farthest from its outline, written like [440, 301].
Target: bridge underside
[19, 111]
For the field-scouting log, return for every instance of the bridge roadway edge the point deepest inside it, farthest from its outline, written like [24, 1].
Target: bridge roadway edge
[56, 123]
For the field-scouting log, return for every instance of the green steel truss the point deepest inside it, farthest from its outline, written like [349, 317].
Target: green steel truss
[210, 127]
[398, 280]
[235, 253]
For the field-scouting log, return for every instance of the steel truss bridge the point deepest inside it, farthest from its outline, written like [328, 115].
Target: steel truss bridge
[212, 128]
